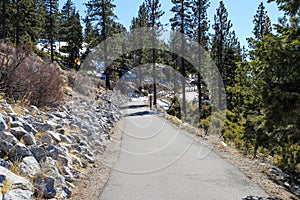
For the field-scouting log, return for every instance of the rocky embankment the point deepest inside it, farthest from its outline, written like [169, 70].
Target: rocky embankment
[43, 152]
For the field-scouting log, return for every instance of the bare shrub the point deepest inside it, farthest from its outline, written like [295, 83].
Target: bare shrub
[26, 77]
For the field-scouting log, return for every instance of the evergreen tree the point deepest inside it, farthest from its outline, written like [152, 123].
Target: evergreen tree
[200, 34]
[101, 12]
[262, 25]
[154, 14]
[182, 22]
[51, 20]
[226, 51]
[74, 38]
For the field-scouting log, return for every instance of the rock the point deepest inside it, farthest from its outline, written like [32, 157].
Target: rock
[3, 125]
[48, 167]
[28, 139]
[52, 151]
[65, 193]
[53, 124]
[15, 124]
[61, 114]
[18, 132]
[14, 181]
[39, 153]
[46, 185]
[18, 152]
[64, 160]
[8, 137]
[29, 166]
[67, 139]
[67, 173]
[61, 131]
[5, 146]
[43, 127]
[28, 127]
[18, 194]
[55, 136]
[46, 139]
[4, 164]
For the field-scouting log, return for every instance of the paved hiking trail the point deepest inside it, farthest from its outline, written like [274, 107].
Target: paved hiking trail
[159, 162]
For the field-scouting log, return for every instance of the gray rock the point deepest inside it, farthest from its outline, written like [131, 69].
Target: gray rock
[29, 139]
[29, 166]
[15, 182]
[43, 127]
[39, 153]
[67, 139]
[46, 139]
[18, 132]
[5, 146]
[8, 137]
[3, 125]
[52, 151]
[18, 194]
[53, 124]
[28, 127]
[60, 114]
[65, 193]
[46, 185]
[55, 136]
[4, 164]
[67, 173]
[18, 152]
[48, 167]
[15, 124]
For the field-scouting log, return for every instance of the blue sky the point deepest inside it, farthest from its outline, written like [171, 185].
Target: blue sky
[241, 13]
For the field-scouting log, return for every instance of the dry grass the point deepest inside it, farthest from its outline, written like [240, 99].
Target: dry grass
[6, 187]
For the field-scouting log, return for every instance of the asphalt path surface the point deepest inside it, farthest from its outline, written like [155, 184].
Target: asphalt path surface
[158, 162]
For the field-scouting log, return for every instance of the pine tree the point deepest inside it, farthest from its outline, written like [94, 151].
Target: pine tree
[101, 12]
[262, 25]
[200, 34]
[182, 22]
[51, 20]
[154, 14]
[222, 51]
